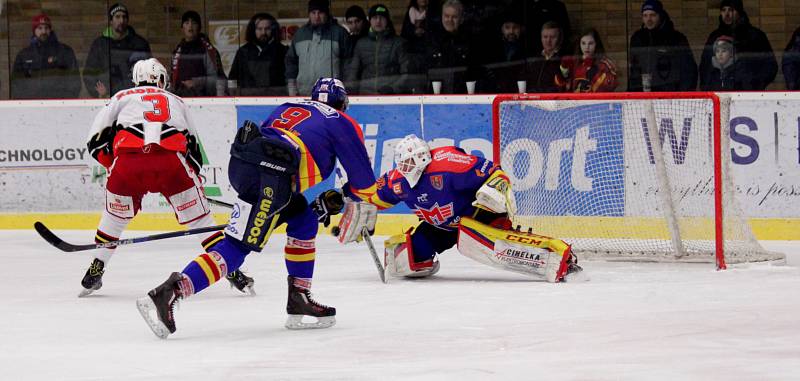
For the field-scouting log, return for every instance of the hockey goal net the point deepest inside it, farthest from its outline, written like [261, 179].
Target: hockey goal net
[632, 176]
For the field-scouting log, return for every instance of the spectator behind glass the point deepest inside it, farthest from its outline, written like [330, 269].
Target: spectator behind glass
[505, 55]
[542, 70]
[660, 54]
[791, 62]
[751, 46]
[112, 55]
[535, 13]
[357, 27]
[317, 50]
[259, 66]
[589, 70]
[46, 68]
[448, 51]
[421, 16]
[726, 73]
[379, 61]
[196, 65]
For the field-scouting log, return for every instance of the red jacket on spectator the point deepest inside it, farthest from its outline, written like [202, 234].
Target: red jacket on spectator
[587, 75]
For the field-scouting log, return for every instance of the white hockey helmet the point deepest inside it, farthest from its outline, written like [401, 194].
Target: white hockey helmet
[412, 155]
[150, 72]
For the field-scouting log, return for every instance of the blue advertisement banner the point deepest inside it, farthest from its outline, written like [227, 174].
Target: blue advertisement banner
[468, 126]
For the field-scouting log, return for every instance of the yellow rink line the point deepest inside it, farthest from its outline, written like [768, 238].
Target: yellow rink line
[764, 228]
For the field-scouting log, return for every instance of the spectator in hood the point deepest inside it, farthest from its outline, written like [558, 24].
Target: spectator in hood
[112, 56]
[357, 26]
[726, 73]
[259, 66]
[751, 46]
[196, 64]
[317, 50]
[791, 62]
[46, 68]
[379, 62]
[660, 56]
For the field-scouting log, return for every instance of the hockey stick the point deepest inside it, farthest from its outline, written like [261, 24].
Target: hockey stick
[62, 245]
[374, 254]
[219, 203]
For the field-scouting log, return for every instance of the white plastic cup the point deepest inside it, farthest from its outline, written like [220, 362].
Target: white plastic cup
[437, 87]
[522, 86]
[646, 78]
[233, 87]
[471, 87]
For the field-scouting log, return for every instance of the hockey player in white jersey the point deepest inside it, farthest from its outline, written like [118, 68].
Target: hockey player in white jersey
[146, 140]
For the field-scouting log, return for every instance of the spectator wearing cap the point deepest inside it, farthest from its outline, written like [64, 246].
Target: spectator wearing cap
[46, 68]
[751, 46]
[726, 73]
[317, 50]
[196, 65]
[449, 52]
[660, 57]
[112, 55]
[259, 66]
[791, 62]
[379, 62]
[357, 27]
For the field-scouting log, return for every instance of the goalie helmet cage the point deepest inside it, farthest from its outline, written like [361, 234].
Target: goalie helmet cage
[626, 176]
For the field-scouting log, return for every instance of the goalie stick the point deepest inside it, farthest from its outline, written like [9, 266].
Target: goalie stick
[374, 255]
[62, 245]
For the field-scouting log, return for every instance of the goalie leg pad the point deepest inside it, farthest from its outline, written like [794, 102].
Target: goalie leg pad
[356, 217]
[530, 254]
[399, 258]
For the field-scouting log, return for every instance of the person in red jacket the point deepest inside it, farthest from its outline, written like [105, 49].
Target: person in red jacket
[589, 70]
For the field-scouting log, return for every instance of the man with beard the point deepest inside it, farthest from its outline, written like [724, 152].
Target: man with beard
[46, 68]
[259, 64]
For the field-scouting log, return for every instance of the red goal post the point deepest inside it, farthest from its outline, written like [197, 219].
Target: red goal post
[611, 174]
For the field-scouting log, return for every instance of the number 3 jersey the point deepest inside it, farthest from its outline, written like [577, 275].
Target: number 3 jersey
[445, 191]
[138, 117]
[322, 134]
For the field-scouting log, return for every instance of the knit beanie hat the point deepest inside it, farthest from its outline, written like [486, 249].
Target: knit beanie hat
[355, 11]
[653, 5]
[319, 5]
[117, 7]
[735, 4]
[39, 20]
[724, 43]
[191, 16]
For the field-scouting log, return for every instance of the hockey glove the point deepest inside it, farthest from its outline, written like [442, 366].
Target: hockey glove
[194, 156]
[327, 204]
[101, 146]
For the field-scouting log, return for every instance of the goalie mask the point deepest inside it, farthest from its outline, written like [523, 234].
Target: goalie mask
[412, 155]
[330, 91]
[150, 72]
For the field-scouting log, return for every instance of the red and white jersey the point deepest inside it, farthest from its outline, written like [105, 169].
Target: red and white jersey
[146, 115]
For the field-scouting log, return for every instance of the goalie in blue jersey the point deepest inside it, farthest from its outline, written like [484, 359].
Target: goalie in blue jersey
[271, 166]
[460, 199]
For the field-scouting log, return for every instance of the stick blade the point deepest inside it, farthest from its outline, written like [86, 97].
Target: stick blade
[53, 239]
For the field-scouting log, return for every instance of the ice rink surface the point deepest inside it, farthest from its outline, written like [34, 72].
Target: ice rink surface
[469, 322]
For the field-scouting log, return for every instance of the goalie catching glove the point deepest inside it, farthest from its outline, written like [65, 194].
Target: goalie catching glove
[496, 196]
[357, 217]
[327, 204]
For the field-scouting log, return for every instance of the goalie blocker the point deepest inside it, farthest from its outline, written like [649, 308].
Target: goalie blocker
[520, 252]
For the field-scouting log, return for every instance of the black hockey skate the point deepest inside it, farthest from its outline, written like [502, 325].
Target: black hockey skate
[300, 303]
[161, 301]
[93, 279]
[574, 272]
[241, 282]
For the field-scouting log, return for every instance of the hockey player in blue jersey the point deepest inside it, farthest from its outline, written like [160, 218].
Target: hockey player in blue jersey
[295, 148]
[460, 198]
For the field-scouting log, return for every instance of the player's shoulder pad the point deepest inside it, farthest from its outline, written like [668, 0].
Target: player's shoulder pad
[396, 181]
[450, 159]
[324, 110]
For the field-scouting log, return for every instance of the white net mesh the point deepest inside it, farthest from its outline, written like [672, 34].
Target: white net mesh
[591, 172]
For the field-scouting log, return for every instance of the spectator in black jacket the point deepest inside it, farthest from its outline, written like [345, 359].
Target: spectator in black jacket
[537, 12]
[112, 56]
[379, 63]
[449, 53]
[196, 64]
[791, 62]
[46, 68]
[541, 71]
[421, 17]
[726, 72]
[258, 66]
[753, 50]
[357, 27]
[660, 56]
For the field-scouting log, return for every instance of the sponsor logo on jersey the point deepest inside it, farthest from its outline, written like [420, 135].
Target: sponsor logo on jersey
[422, 198]
[118, 206]
[380, 183]
[187, 205]
[397, 188]
[482, 172]
[436, 215]
[268, 192]
[452, 157]
[437, 182]
[259, 221]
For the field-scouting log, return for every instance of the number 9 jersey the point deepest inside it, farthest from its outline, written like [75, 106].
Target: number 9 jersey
[137, 117]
